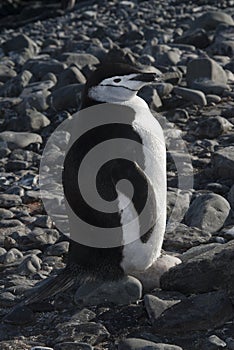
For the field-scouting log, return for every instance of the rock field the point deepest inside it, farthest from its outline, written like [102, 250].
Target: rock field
[45, 56]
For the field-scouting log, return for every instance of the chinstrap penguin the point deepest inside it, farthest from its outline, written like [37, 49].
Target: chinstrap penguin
[116, 84]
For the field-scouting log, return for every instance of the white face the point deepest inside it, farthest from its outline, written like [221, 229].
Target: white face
[116, 89]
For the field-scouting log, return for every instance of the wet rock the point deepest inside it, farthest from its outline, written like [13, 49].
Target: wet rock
[211, 19]
[150, 278]
[195, 96]
[212, 127]
[208, 212]
[223, 163]
[141, 344]
[66, 97]
[79, 59]
[9, 200]
[182, 237]
[19, 139]
[204, 272]
[123, 292]
[206, 311]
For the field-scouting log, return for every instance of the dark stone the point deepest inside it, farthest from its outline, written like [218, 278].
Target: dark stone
[20, 315]
[206, 311]
[223, 163]
[204, 272]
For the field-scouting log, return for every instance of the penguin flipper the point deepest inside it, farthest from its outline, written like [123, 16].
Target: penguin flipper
[50, 287]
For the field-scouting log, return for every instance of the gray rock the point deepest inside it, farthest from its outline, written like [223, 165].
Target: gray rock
[6, 73]
[79, 59]
[195, 96]
[211, 19]
[66, 97]
[12, 255]
[210, 87]
[223, 163]
[43, 236]
[216, 341]
[156, 306]
[208, 212]
[213, 99]
[73, 346]
[23, 46]
[7, 299]
[19, 139]
[203, 69]
[71, 75]
[197, 37]
[230, 197]
[39, 68]
[31, 264]
[150, 278]
[6, 214]
[198, 250]
[123, 292]
[150, 95]
[34, 120]
[204, 272]
[92, 332]
[43, 221]
[9, 200]
[212, 127]
[20, 315]
[182, 237]
[15, 86]
[58, 249]
[141, 344]
[206, 311]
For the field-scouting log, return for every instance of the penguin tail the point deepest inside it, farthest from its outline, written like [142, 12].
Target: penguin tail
[50, 287]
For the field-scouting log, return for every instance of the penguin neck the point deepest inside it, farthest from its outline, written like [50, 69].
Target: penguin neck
[135, 101]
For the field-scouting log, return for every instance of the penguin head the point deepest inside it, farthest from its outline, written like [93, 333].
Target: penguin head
[113, 83]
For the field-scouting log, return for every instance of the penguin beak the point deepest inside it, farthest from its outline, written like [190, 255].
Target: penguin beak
[146, 77]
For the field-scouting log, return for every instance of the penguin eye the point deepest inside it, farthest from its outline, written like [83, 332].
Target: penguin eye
[117, 80]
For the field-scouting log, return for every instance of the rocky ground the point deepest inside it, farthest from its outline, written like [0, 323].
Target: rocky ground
[44, 62]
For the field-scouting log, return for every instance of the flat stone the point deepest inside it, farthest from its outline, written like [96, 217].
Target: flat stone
[141, 344]
[208, 212]
[15, 86]
[150, 278]
[19, 139]
[20, 315]
[206, 311]
[58, 249]
[34, 120]
[6, 214]
[203, 272]
[123, 292]
[197, 37]
[195, 96]
[71, 75]
[223, 163]
[73, 346]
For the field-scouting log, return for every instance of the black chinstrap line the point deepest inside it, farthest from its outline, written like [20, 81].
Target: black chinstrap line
[124, 87]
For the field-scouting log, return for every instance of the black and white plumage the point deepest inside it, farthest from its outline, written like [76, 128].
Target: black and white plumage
[117, 85]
